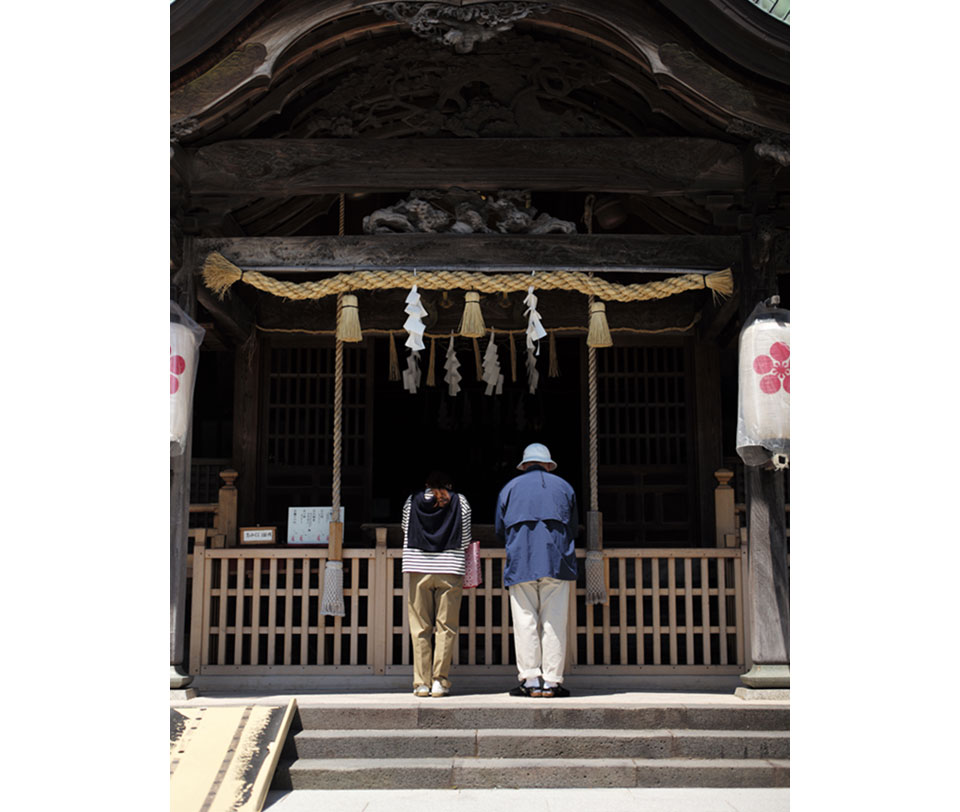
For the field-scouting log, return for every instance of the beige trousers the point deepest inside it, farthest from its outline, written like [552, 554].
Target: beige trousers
[433, 605]
[540, 610]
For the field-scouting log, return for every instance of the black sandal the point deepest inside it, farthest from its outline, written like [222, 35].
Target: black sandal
[523, 690]
[556, 690]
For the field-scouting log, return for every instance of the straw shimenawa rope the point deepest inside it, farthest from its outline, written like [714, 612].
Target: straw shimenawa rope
[219, 274]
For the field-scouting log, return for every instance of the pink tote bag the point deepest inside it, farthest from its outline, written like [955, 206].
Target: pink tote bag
[471, 575]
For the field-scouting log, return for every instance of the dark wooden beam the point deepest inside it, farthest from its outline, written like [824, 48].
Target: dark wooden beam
[179, 164]
[231, 315]
[246, 410]
[709, 417]
[477, 252]
[719, 317]
[289, 167]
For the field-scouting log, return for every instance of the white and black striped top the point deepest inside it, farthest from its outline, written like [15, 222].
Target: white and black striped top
[449, 561]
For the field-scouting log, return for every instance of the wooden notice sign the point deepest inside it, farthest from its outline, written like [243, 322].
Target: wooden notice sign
[258, 535]
[310, 525]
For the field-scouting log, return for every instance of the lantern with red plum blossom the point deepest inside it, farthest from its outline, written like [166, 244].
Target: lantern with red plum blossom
[185, 338]
[763, 420]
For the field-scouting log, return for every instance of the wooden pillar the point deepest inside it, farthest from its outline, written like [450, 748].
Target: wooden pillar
[769, 586]
[380, 593]
[246, 411]
[180, 503]
[725, 510]
[227, 508]
[709, 431]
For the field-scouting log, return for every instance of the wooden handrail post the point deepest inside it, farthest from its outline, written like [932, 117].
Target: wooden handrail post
[725, 509]
[197, 605]
[227, 507]
[380, 592]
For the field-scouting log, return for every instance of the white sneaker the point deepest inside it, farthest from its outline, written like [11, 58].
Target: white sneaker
[438, 689]
[421, 690]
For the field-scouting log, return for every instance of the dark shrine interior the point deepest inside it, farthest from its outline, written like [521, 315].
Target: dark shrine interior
[477, 439]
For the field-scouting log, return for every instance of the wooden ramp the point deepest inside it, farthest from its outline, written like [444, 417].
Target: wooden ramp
[223, 758]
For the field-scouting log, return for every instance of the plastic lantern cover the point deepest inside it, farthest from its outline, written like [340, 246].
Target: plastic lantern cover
[185, 338]
[763, 415]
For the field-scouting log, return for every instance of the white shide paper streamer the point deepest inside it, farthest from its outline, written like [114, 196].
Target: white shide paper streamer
[411, 375]
[414, 323]
[491, 369]
[452, 377]
[535, 329]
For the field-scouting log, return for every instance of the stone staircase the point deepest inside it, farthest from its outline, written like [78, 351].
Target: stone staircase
[518, 743]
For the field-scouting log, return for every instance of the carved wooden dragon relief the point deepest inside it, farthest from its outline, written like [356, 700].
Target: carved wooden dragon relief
[464, 212]
[460, 26]
[523, 89]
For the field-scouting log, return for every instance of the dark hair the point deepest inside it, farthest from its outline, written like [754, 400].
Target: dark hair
[439, 479]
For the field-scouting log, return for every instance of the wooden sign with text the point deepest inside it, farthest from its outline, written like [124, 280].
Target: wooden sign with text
[258, 535]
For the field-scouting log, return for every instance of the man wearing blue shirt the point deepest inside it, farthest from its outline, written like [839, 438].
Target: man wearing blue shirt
[537, 521]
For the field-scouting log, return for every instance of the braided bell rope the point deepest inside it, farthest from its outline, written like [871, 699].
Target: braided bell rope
[338, 393]
[591, 378]
[219, 274]
[337, 415]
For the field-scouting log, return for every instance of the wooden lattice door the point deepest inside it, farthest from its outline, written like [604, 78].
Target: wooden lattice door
[645, 445]
[296, 432]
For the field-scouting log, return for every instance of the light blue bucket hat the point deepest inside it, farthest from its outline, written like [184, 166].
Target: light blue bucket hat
[539, 453]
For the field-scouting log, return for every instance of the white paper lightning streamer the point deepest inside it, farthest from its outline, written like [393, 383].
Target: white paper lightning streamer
[533, 377]
[414, 324]
[411, 375]
[491, 369]
[535, 329]
[452, 366]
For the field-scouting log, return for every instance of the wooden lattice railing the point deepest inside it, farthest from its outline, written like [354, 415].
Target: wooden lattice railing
[256, 611]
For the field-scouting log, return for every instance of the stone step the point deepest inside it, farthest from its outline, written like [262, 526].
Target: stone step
[544, 713]
[541, 743]
[488, 773]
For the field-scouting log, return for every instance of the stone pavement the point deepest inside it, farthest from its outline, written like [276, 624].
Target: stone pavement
[598, 693]
[530, 800]
[481, 695]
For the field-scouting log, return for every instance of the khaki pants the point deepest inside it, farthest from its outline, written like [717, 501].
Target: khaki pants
[540, 610]
[433, 605]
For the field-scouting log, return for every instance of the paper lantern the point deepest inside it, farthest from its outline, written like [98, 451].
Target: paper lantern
[185, 338]
[763, 420]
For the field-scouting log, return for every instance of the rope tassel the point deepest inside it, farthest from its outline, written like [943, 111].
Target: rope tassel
[720, 283]
[348, 325]
[476, 357]
[331, 602]
[599, 333]
[431, 377]
[219, 274]
[595, 578]
[471, 325]
[553, 371]
[394, 374]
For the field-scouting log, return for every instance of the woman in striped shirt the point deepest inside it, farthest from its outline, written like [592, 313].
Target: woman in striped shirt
[436, 533]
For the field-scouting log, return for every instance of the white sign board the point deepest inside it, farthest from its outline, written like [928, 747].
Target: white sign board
[309, 525]
[258, 535]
